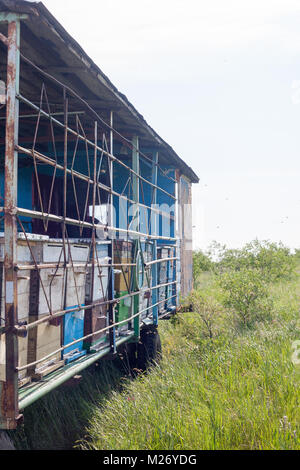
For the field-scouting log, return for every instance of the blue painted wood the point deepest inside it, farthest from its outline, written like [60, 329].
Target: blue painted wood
[73, 330]
[166, 204]
[24, 195]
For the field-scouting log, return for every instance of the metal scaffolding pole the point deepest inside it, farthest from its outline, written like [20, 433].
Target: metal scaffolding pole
[111, 221]
[9, 391]
[136, 221]
[154, 230]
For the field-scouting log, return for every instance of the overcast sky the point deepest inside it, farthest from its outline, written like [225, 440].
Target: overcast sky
[219, 80]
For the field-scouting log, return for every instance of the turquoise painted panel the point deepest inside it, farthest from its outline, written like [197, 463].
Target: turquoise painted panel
[73, 330]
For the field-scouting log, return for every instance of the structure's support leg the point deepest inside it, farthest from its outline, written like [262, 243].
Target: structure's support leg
[154, 231]
[111, 308]
[9, 393]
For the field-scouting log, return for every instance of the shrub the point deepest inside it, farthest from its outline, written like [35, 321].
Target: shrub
[201, 263]
[297, 255]
[274, 261]
[246, 293]
[208, 309]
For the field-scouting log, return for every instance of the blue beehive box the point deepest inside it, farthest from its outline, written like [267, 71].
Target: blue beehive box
[73, 330]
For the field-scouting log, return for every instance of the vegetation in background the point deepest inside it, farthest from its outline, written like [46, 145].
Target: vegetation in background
[226, 379]
[274, 261]
[246, 293]
[210, 311]
[201, 263]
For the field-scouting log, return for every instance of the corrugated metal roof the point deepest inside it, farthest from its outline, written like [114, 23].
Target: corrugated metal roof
[40, 13]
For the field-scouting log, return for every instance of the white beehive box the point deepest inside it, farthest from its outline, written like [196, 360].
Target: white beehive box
[24, 257]
[63, 288]
[76, 278]
[144, 302]
[101, 273]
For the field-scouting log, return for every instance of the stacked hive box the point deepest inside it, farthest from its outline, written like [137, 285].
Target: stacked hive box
[162, 253]
[122, 281]
[78, 253]
[49, 289]
[171, 277]
[24, 281]
[145, 280]
[166, 275]
[33, 289]
[97, 293]
[46, 294]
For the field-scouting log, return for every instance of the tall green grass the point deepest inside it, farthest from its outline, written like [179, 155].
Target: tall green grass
[239, 390]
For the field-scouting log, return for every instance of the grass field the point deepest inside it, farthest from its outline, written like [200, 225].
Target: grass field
[238, 389]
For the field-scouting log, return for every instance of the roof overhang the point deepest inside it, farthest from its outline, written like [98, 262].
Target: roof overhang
[73, 61]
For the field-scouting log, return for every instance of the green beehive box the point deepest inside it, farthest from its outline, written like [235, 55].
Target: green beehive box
[123, 310]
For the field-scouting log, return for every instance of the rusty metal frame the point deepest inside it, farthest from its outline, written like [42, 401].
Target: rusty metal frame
[9, 412]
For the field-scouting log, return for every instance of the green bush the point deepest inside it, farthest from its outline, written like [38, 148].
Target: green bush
[205, 304]
[245, 276]
[201, 263]
[246, 293]
[297, 256]
[225, 258]
[274, 261]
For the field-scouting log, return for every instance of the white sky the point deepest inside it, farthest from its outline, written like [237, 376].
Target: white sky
[219, 80]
